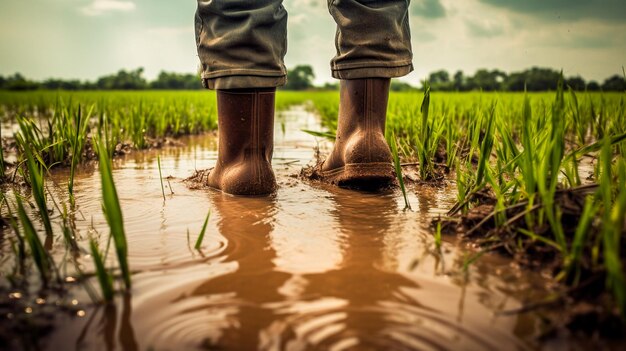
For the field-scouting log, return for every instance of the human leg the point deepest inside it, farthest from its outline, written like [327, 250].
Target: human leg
[245, 145]
[373, 45]
[360, 156]
[241, 45]
[373, 39]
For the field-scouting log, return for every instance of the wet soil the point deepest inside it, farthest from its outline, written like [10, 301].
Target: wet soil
[312, 267]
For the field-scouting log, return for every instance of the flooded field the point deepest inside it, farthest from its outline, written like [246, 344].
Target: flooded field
[312, 267]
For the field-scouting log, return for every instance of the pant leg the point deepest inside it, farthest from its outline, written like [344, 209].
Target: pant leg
[373, 38]
[241, 43]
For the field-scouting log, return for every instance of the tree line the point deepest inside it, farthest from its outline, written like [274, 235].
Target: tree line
[533, 79]
[301, 78]
[122, 80]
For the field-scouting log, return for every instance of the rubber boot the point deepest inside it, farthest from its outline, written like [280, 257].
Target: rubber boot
[246, 139]
[361, 157]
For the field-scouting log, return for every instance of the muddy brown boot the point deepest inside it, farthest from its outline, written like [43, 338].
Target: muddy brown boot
[361, 157]
[246, 139]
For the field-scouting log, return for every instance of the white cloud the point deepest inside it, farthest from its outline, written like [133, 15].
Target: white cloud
[99, 7]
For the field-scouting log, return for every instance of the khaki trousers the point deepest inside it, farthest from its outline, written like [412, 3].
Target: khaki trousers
[242, 43]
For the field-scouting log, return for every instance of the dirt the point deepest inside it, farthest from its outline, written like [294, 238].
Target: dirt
[585, 303]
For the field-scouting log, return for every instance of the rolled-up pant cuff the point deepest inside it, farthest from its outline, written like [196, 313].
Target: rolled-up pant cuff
[242, 80]
[372, 71]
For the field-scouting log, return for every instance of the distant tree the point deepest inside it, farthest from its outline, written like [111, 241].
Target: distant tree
[330, 86]
[459, 81]
[542, 79]
[175, 81]
[300, 78]
[18, 82]
[55, 84]
[576, 83]
[2, 82]
[401, 86]
[440, 76]
[123, 80]
[593, 86]
[535, 79]
[487, 80]
[515, 82]
[614, 83]
[440, 81]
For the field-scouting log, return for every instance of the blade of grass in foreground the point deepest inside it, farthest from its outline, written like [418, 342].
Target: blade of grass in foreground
[201, 236]
[40, 255]
[613, 223]
[104, 278]
[113, 212]
[161, 176]
[326, 135]
[37, 186]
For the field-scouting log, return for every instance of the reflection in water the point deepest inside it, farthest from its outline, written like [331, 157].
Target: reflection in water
[114, 331]
[248, 223]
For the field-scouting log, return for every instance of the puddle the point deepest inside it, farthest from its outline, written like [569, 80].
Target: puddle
[313, 267]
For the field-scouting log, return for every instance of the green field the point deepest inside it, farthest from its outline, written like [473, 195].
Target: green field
[540, 177]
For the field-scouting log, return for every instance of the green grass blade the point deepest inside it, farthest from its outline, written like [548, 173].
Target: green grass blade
[104, 278]
[113, 212]
[202, 232]
[41, 257]
[37, 186]
[161, 176]
[398, 168]
[325, 135]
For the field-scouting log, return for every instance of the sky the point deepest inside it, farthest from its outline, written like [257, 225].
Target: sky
[85, 39]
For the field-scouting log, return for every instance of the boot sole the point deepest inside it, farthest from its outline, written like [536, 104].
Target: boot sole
[373, 175]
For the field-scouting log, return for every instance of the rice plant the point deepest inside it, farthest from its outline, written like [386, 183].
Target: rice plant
[104, 278]
[113, 212]
[161, 177]
[77, 142]
[427, 141]
[40, 256]
[398, 168]
[198, 244]
[37, 184]
[613, 227]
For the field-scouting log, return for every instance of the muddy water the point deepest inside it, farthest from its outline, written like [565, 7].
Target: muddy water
[313, 267]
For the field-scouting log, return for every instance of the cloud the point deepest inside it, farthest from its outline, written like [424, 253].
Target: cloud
[484, 28]
[609, 10]
[100, 7]
[428, 9]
